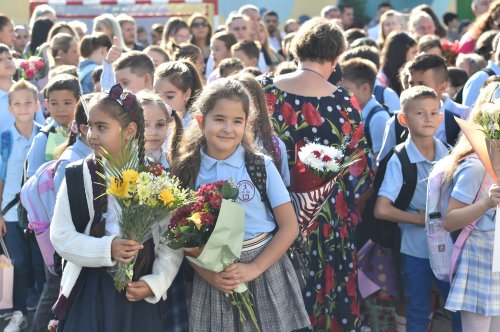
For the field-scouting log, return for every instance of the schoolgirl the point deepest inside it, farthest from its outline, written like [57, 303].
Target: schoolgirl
[178, 83]
[475, 290]
[88, 300]
[213, 148]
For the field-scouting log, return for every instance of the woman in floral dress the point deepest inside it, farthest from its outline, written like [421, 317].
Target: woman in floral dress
[305, 107]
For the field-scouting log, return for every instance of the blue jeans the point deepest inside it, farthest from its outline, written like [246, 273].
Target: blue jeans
[25, 256]
[417, 279]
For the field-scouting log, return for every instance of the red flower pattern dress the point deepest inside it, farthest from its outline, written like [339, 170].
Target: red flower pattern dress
[331, 295]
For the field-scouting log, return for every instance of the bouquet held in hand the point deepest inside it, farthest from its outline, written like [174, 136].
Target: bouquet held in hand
[211, 231]
[32, 69]
[146, 195]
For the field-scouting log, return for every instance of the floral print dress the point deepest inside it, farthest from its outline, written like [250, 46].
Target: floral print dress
[331, 295]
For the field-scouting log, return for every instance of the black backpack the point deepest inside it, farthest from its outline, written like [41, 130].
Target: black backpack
[378, 93]
[383, 232]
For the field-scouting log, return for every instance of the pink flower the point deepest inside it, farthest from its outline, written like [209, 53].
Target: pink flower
[24, 65]
[39, 65]
[30, 73]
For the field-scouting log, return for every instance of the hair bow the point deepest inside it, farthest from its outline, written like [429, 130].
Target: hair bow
[124, 98]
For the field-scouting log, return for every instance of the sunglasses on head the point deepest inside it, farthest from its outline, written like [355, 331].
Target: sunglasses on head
[199, 24]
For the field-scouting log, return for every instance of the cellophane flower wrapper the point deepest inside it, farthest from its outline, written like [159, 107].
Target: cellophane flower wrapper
[146, 195]
[313, 178]
[484, 138]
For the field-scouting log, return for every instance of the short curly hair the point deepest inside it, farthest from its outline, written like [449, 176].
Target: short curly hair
[318, 40]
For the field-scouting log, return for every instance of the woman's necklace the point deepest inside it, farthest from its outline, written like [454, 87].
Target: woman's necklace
[311, 70]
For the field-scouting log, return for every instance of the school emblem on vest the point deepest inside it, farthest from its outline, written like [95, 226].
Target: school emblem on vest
[247, 190]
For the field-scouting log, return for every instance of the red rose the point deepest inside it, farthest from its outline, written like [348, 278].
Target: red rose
[289, 114]
[320, 297]
[343, 231]
[358, 167]
[30, 73]
[346, 127]
[351, 284]
[271, 102]
[311, 115]
[327, 229]
[329, 279]
[354, 102]
[39, 65]
[356, 136]
[341, 206]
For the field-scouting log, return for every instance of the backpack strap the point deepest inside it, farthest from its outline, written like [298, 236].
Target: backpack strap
[256, 168]
[87, 70]
[452, 129]
[366, 123]
[489, 71]
[77, 196]
[409, 178]
[464, 233]
[378, 92]
[6, 147]
[401, 132]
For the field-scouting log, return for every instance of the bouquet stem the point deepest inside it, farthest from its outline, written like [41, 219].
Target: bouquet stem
[243, 302]
[124, 275]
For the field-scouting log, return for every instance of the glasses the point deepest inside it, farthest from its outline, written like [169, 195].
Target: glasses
[201, 24]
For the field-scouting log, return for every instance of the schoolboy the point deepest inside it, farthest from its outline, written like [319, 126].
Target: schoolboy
[134, 70]
[62, 94]
[431, 71]
[230, 66]
[247, 51]
[7, 71]
[359, 77]
[420, 114]
[22, 105]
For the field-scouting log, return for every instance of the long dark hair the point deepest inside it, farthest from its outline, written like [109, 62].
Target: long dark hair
[39, 34]
[394, 52]
[187, 165]
[261, 123]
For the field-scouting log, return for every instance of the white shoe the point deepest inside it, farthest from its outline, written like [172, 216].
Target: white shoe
[17, 322]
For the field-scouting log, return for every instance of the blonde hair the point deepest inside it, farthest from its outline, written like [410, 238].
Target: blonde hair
[20, 85]
[111, 22]
[463, 148]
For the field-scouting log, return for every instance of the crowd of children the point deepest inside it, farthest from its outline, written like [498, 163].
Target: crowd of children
[200, 100]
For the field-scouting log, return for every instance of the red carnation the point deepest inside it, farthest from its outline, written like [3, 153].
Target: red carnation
[316, 153]
[270, 102]
[329, 279]
[346, 128]
[30, 73]
[356, 136]
[343, 231]
[326, 159]
[341, 206]
[311, 115]
[354, 102]
[327, 229]
[289, 114]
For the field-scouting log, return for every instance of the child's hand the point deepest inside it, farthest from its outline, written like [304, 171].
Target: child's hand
[242, 272]
[138, 290]
[124, 251]
[3, 226]
[494, 195]
[114, 52]
[219, 280]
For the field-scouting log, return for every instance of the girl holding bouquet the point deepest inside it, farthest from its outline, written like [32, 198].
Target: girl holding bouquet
[475, 290]
[212, 149]
[88, 300]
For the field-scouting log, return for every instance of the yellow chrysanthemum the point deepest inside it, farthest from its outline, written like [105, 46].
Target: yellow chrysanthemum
[167, 196]
[196, 220]
[130, 175]
[119, 187]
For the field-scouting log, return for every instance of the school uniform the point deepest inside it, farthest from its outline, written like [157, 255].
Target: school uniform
[24, 253]
[376, 126]
[389, 140]
[276, 293]
[475, 287]
[7, 118]
[36, 155]
[96, 305]
[475, 82]
[417, 274]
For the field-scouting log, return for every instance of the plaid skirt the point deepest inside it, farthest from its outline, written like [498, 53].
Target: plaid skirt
[475, 288]
[277, 301]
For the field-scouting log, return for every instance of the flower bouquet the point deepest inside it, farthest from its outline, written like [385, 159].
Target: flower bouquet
[32, 69]
[450, 51]
[147, 197]
[484, 136]
[211, 232]
[313, 178]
